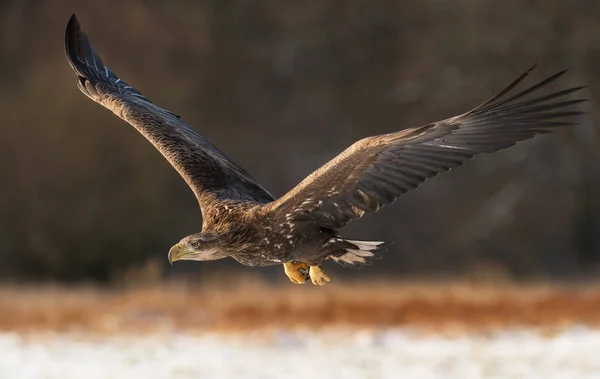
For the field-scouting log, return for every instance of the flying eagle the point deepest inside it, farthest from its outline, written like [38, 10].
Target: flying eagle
[300, 230]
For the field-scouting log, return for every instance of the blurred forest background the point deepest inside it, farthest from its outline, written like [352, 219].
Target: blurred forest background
[281, 87]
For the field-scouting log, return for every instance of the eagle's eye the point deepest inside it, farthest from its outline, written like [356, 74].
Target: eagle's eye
[195, 244]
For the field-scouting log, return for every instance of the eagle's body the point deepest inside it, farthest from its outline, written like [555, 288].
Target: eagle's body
[252, 236]
[301, 228]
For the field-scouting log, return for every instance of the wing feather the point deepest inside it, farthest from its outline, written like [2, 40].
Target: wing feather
[376, 170]
[210, 174]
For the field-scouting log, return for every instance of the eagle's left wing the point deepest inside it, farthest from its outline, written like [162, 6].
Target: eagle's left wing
[376, 170]
[210, 174]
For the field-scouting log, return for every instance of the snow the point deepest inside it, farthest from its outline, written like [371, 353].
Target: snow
[393, 354]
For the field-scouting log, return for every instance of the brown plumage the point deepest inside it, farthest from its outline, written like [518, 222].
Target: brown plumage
[242, 220]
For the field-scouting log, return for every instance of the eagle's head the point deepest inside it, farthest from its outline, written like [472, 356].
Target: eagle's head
[197, 247]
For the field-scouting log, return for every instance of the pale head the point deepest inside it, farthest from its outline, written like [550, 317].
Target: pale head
[197, 247]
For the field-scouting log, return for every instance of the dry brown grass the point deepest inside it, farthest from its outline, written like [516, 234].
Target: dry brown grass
[255, 305]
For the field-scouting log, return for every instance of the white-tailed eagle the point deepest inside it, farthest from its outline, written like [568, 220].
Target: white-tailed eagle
[300, 229]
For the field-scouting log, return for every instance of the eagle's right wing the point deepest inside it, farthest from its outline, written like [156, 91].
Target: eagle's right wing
[209, 173]
[376, 170]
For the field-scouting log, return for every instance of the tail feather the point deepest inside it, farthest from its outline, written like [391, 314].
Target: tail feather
[353, 253]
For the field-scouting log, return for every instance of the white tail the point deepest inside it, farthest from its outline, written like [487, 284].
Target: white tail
[354, 253]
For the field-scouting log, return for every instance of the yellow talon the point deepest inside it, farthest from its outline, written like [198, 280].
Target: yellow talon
[296, 271]
[318, 276]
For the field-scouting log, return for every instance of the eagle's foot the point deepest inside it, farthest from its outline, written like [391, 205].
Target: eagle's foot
[318, 276]
[297, 271]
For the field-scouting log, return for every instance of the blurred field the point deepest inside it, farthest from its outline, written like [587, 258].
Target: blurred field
[255, 305]
[348, 354]
[254, 329]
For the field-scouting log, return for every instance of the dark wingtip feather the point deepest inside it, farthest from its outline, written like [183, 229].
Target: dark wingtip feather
[74, 20]
[499, 100]
[505, 90]
[72, 40]
[88, 65]
[73, 23]
[80, 55]
[492, 102]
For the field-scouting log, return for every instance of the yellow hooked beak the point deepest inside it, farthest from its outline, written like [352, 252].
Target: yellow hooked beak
[176, 252]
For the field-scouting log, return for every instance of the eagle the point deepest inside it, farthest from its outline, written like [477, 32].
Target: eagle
[301, 229]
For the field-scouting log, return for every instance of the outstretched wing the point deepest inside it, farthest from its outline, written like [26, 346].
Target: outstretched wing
[209, 173]
[376, 170]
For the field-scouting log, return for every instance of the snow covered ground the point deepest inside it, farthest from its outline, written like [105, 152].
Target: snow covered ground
[392, 354]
